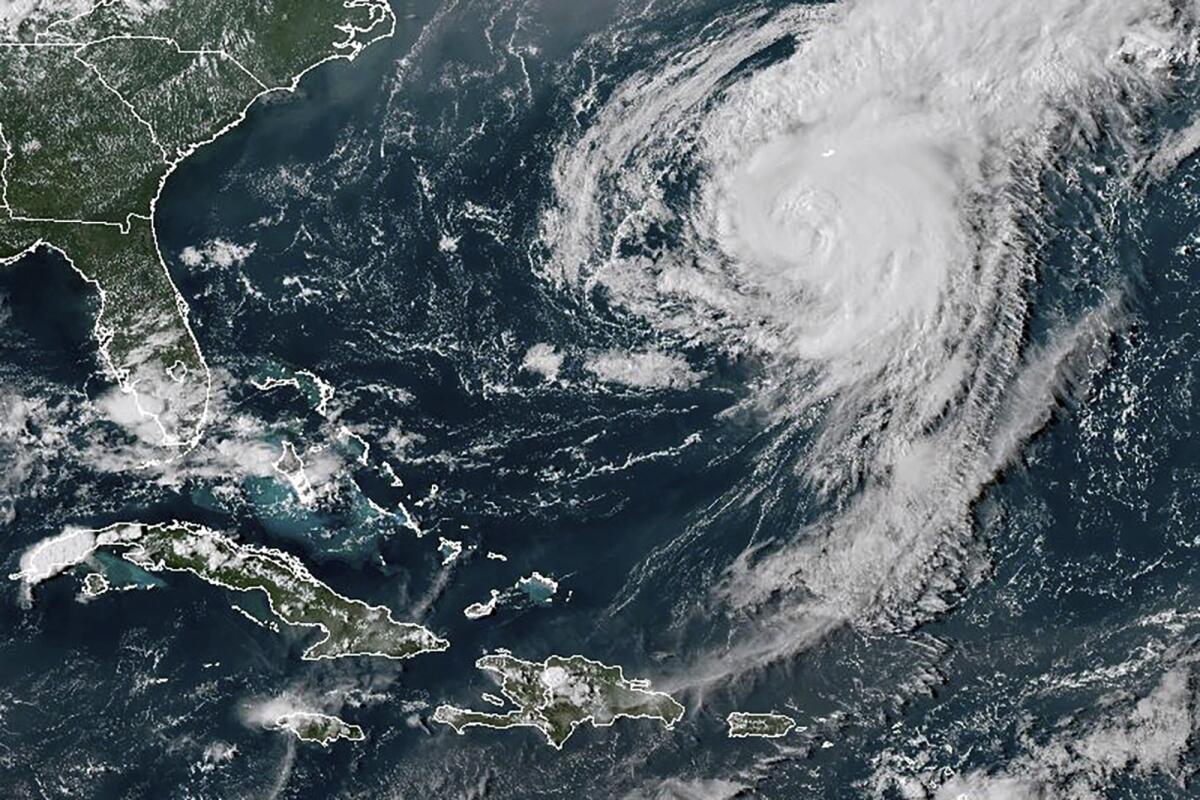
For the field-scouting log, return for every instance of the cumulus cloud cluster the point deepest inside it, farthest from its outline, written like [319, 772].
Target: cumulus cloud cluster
[863, 217]
[1153, 736]
[216, 253]
[642, 370]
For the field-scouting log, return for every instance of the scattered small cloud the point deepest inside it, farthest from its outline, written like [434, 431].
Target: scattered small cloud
[542, 359]
[216, 253]
[677, 789]
[1148, 736]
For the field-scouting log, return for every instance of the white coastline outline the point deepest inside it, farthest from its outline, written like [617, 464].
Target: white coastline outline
[279, 724]
[293, 565]
[520, 718]
[99, 330]
[431, 642]
[748, 715]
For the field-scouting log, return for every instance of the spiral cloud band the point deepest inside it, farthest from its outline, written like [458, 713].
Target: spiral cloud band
[862, 218]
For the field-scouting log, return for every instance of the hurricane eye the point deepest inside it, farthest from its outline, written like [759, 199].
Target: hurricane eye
[865, 218]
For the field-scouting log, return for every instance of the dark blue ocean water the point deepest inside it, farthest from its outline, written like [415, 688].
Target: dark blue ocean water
[347, 190]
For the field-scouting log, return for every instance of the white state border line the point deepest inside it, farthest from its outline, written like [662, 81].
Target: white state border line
[128, 105]
[150, 37]
[355, 48]
[79, 48]
[68, 20]
[4, 205]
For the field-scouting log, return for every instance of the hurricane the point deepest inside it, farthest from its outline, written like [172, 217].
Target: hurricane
[854, 199]
[617, 398]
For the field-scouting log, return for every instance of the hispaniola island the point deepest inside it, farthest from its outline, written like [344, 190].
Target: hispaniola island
[523, 399]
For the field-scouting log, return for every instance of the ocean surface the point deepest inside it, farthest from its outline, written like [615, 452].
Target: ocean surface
[390, 228]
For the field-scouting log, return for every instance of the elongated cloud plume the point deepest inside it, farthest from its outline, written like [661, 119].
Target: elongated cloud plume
[864, 216]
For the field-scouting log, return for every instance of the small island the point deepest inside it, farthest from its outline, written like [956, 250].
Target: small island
[743, 725]
[95, 584]
[310, 726]
[557, 695]
[480, 610]
[449, 550]
[538, 588]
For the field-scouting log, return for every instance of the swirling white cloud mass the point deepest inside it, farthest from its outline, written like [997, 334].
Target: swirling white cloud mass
[863, 217]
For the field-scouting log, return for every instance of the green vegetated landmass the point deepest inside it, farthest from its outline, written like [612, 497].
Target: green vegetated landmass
[320, 728]
[184, 97]
[768, 726]
[96, 110]
[142, 317]
[559, 694]
[349, 627]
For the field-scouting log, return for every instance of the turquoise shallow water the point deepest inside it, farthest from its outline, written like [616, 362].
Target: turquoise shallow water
[393, 205]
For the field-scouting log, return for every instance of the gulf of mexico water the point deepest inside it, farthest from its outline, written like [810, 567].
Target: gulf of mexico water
[382, 232]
